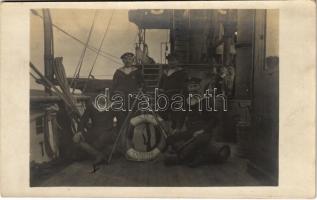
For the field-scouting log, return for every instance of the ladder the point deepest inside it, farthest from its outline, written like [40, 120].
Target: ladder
[152, 74]
[181, 28]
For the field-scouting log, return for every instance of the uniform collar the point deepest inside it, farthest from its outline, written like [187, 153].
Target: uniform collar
[128, 70]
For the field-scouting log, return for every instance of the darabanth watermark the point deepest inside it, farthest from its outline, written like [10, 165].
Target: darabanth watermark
[209, 101]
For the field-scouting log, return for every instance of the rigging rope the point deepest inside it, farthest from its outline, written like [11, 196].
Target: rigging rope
[71, 108]
[60, 75]
[103, 38]
[62, 95]
[92, 48]
[82, 56]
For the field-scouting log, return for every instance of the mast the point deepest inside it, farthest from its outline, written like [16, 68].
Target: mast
[48, 47]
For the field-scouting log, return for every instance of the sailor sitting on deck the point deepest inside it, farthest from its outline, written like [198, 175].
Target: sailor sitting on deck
[194, 146]
[98, 138]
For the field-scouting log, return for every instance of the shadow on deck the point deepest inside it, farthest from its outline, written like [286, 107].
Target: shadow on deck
[126, 173]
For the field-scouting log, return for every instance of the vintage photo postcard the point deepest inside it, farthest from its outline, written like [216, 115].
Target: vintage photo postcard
[165, 99]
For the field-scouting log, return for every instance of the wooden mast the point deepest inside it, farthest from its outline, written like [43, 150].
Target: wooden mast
[48, 47]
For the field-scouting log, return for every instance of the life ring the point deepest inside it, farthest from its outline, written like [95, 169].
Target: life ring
[136, 155]
[50, 137]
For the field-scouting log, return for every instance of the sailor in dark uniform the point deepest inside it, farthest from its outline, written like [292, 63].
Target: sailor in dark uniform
[95, 130]
[126, 80]
[172, 82]
[193, 146]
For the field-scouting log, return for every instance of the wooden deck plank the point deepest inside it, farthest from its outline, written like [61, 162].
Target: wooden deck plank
[127, 173]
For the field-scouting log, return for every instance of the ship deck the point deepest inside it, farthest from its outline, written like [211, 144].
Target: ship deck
[127, 173]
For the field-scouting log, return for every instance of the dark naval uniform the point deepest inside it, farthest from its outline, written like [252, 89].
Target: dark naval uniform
[100, 133]
[172, 84]
[125, 83]
[194, 146]
[197, 122]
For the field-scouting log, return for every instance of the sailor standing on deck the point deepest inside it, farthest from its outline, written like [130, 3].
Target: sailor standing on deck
[173, 82]
[126, 80]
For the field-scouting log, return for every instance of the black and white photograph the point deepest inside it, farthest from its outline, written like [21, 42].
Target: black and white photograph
[176, 99]
[154, 97]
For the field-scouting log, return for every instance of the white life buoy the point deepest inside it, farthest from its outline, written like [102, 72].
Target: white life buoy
[132, 153]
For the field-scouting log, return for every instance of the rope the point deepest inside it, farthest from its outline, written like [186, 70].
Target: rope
[100, 46]
[58, 92]
[60, 74]
[72, 109]
[85, 47]
[82, 56]
[92, 48]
